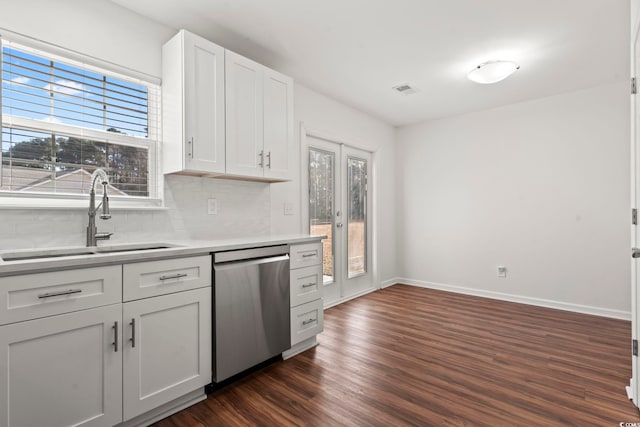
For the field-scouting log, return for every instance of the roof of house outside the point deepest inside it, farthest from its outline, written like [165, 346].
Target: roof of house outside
[22, 179]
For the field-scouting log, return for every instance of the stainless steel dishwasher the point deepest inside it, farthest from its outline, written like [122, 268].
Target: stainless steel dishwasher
[251, 303]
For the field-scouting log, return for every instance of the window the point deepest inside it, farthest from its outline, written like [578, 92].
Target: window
[62, 119]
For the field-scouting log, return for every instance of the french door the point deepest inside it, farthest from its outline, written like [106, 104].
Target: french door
[340, 206]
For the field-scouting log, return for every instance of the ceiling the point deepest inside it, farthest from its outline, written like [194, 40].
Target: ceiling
[356, 50]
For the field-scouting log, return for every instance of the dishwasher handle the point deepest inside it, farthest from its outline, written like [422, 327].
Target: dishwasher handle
[253, 253]
[246, 263]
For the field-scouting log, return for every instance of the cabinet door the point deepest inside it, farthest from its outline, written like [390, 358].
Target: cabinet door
[278, 125]
[167, 349]
[204, 111]
[62, 370]
[244, 113]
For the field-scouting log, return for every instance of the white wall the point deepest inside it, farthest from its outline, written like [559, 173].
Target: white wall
[541, 187]
[323, 114]
[243, 210]
[109, 32]
[97, 28]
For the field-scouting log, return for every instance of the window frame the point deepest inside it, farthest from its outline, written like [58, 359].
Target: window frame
[16, 200]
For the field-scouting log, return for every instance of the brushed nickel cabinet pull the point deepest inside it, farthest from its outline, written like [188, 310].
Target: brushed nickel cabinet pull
[173, 276]
[133, 333]
[306, 322]
[308, 285]
[57, 294]
[261, 164]
[269, 159]
[308, 255]
[115, 336]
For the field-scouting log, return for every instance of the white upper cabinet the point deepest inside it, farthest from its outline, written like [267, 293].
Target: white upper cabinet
[193, 104]
[245, 133]
[224, 114]
[278, 125]
[259, 118]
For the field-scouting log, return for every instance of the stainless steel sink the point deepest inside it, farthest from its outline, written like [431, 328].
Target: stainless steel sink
[33, 254]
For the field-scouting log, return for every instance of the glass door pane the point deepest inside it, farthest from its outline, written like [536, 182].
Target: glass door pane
[356, 216]
[321, 205]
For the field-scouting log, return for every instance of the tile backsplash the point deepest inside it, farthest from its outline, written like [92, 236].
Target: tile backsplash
[243, 210]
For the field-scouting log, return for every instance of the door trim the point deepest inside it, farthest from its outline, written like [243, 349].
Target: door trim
[633, 389]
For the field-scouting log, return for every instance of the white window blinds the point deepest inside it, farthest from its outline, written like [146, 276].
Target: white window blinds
[62, 119]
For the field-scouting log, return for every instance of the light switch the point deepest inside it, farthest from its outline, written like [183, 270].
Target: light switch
[288, 208]
[212, 206]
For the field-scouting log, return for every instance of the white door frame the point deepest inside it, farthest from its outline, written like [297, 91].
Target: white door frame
[306, 132]
[633, 389]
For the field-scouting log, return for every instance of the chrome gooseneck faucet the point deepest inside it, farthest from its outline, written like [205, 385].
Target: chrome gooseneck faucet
[92, 231]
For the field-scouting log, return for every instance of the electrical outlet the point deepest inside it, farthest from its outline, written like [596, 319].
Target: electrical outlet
[288, 208]
[502, 271]
[212, 207]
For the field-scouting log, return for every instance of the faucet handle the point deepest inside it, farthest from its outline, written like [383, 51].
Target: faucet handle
[103, 236]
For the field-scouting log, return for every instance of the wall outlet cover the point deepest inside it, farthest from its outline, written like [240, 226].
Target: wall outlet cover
[502, 271]
[212, 207]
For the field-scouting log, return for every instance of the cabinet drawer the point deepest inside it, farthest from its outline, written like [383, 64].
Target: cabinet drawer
[307, 320]
[306, 255]
[32, 296]
[306, 284]
[153, 278]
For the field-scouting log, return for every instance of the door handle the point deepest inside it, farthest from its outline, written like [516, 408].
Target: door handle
[339, 225]
[635, 253]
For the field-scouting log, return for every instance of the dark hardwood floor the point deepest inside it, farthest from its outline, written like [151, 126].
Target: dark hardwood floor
[412, 356]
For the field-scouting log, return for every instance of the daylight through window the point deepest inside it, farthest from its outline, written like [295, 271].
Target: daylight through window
[62, 119]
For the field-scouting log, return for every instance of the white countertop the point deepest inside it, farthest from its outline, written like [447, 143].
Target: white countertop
[181, 248]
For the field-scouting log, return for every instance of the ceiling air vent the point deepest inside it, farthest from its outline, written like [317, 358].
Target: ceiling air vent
[405, 89]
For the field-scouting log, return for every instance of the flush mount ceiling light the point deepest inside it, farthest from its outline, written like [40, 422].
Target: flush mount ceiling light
[492, 71]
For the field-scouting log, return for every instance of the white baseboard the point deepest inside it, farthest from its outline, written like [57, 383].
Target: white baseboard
[166, 410]
[300, 347]
[559, 305]
[389, 282]
[349, 298]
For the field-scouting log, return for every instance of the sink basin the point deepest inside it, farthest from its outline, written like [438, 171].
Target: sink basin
[132, 248]
[33, 254]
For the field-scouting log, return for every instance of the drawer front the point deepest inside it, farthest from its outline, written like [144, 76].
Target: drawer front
[306, 255]
[32, 296]
[307, 320]
[153, 278]
[306, 284]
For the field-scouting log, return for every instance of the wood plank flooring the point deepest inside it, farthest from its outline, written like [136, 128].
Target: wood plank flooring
[413, 356]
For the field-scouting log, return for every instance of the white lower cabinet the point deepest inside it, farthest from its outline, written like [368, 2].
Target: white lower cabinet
[306, 291]
[108, 363]
[167, 349]
[62, 370]
[307, 321]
